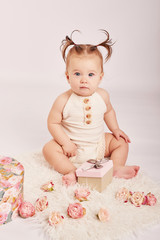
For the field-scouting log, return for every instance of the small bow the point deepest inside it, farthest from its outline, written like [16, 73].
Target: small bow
[96, 163]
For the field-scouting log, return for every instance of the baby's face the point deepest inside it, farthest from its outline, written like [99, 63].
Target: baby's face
[84, 73]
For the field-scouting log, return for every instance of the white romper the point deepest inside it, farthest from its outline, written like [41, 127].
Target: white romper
[83, 122]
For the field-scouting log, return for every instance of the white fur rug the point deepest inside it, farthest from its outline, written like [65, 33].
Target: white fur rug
[125, 219]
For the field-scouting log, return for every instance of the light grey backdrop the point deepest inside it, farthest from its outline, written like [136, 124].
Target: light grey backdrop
[32, 75]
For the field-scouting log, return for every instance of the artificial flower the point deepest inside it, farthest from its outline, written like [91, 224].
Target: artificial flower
[48, 187]
[103, 215]
[138, 199]
[26, 210]
[41, 204]
[55, 218]
[151, 199]
[123, 194]
[81, 194]
[76, 210]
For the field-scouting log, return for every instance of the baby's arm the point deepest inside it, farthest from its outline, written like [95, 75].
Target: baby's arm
[55, 128]
[110, 117]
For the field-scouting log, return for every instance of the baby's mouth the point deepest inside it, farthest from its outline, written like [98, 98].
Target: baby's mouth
[83, 87]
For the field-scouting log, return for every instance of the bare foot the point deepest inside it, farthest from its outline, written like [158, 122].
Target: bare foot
[69, 179]
[126, 171]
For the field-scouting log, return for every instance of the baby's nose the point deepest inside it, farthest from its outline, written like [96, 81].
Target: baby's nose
[83, 79]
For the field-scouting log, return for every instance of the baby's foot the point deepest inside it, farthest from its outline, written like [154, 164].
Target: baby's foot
[126, 171]
[69, 179]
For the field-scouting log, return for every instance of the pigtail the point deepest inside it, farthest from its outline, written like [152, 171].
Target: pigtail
[68, 42]
[107, 44]
[65, 44]
[82, 48]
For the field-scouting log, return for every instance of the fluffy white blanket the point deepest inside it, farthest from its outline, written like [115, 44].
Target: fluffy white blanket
[125, 219]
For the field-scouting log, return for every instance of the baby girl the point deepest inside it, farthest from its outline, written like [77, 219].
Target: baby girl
[76, 119]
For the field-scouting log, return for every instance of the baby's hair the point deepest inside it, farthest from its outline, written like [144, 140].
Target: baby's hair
[86, 48]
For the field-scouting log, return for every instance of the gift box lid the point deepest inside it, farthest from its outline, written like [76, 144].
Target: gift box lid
[93, 172]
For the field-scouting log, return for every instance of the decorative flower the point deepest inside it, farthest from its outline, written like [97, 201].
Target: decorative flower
[41, 204]
[48, 187]
[103, 215]
[123, 194]
[26, 210]
[137, 199]
[81, 194]
[144, 200]
[76, 210]
[151, 199]
[55, 218]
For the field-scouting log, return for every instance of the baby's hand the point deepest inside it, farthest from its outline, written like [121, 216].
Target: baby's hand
[119, 133]
[69, 149]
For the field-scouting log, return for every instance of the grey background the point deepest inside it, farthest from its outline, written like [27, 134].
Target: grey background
[32, 75]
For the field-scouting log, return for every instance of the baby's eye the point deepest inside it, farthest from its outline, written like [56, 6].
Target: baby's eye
[91, 74]
[77, 74]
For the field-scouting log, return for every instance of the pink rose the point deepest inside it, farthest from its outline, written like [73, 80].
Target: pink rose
[26, 210]
[81, 194]
[123, 194]
[48, 187]
[103, 215]
[55, 218]
[3, 217]
[41, 204]
[151, 199]
[137, 199]
[76, 210]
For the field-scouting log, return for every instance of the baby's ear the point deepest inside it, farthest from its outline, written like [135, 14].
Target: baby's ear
[67, 75]
[101, 75]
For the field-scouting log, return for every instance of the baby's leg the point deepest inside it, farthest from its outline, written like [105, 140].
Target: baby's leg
[117, 150]
[54, 155]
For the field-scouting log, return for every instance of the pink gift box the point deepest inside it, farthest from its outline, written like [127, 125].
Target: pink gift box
[95, 178]
[11, 188]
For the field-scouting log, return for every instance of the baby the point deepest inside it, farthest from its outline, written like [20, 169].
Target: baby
[76, 120]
